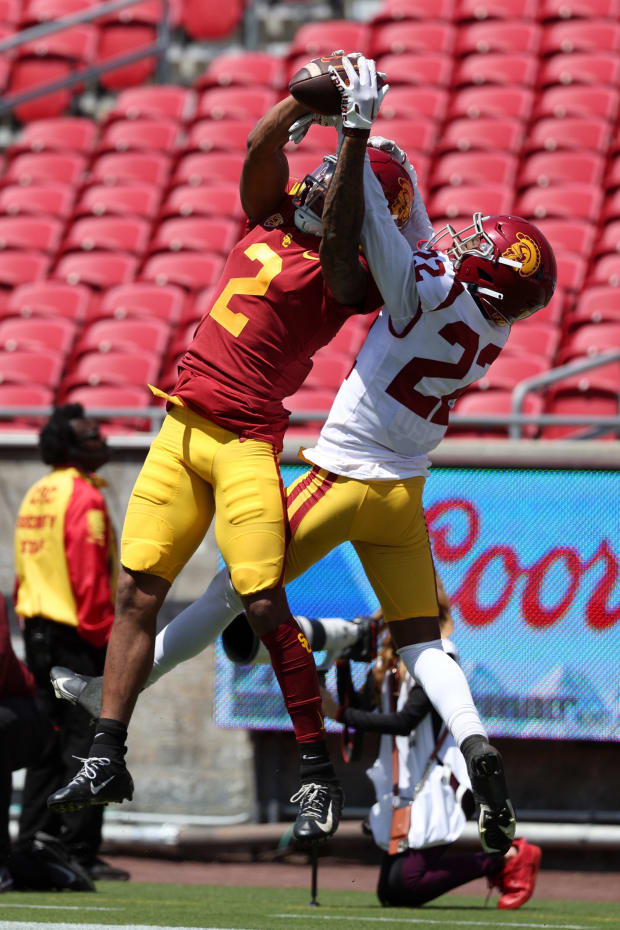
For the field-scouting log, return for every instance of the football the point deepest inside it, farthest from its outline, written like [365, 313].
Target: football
[313, 86]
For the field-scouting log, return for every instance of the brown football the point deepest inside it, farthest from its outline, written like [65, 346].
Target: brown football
[313, 86]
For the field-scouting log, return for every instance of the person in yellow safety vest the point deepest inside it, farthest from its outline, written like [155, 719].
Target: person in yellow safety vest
[65, 577]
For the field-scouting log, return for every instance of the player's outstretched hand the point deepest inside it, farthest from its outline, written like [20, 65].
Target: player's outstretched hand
[298, 129]
[361, 98]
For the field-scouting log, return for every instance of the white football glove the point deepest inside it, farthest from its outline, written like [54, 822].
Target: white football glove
[361, 99]
[389, 146]
[298, 129]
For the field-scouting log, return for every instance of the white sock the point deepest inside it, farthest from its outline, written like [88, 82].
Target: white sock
[446, 687]
[196, 627]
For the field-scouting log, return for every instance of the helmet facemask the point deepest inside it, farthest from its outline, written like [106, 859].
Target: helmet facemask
[310, 199]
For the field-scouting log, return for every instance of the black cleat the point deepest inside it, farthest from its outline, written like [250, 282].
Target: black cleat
[99, 781]
[84, 690]
[496, 823]
[320, 807]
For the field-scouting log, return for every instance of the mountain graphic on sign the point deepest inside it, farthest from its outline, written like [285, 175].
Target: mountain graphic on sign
[562, 681]
[483, 681]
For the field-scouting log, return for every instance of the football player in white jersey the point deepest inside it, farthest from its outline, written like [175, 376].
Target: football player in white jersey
[446, 317]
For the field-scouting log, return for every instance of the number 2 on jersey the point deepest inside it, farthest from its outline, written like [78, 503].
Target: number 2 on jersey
[402, 387]
[235, 322]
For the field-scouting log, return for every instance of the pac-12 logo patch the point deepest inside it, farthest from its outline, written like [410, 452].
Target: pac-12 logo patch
[276, 219]
[526, 251]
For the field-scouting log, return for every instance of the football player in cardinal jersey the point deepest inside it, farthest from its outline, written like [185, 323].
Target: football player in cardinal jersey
[446, 317]
[284, 292]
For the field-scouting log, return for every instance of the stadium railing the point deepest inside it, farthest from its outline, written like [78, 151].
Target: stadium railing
[156, 49]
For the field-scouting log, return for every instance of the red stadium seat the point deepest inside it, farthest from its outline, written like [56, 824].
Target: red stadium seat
[489, 199]
[515, 68]
[214, 200]
[188, 269]
[328, 372]
[301, 163]
[313, 39]
[347, 341]
[570, 134]
[405, 37]
[111, 396]
[253, 69]
[612, 178]
[547, 169]
[458, 168]
[590, 341]
[210, 168]
[51, 299]
[163, 101]
[533, 339]
[21, 395]
[553, 313]
[10, 11]
[235, 103]
[597, 304]
[66, 134]
[578, 100]
[606, 271]
[467, 10]
[143, 301]
[576, 405]
[138, 200]
[492, 134]
[404, 10]
[581, 68]
[147, 11]
[96, 269]
[30, 73]
[145, 135]
[579, 36]
[42, 367]
[211, 21]
[411, 134]
[117, 40]
[571, 270]
[321, 139]
[508, 370]
[414, 102]
[22, 268]
[137, 368]
[127, 335]
[30, 232]
[46, 167]
[116, 233]
[36, 334]
[53, 200]
[568, 235]
[315, 401]
[498, 36]
[417, 69]
[131, 168]
[226, 135]
[491, 101]
[578, 201]
[608, 239]
[493, 403]
[42, 11]
[195, 234]
[578, 9]
[602, 380]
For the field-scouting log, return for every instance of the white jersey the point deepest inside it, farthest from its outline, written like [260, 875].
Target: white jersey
[428, 344]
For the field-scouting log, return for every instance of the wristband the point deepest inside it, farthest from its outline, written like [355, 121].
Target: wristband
[355, 133]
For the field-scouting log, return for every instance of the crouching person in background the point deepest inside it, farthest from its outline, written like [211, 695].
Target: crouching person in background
[423, 791]
[65, 568]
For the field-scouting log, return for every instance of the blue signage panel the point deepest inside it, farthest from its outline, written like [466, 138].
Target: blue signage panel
[530, 560]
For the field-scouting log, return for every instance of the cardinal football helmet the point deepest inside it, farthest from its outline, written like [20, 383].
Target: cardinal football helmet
[392, 176]
[505, 261]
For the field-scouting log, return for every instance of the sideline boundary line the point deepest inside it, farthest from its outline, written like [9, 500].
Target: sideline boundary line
[432, 920]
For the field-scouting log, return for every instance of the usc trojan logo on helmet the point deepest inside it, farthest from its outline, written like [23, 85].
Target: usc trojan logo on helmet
[401, 206]
[526, 251]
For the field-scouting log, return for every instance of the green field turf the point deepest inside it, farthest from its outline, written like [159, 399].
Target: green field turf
[210, 907]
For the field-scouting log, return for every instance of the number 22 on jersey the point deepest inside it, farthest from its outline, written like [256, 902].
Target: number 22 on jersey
[257, 286]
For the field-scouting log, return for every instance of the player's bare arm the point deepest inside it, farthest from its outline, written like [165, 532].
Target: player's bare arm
[343, 214]
[265, 173]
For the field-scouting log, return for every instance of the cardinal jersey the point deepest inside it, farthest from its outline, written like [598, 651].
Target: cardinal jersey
[271, 312]
[393, 408]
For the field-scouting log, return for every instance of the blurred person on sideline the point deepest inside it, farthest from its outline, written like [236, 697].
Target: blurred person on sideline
[423, 790]
[65, 568]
